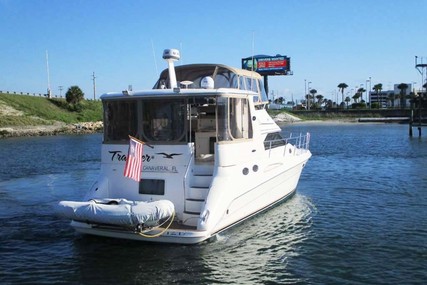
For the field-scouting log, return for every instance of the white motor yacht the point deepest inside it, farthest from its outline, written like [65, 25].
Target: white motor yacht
[212, 157]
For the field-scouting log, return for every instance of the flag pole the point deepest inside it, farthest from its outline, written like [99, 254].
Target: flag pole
[140, 141]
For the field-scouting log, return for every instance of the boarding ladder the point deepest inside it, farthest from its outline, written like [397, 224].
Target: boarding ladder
[200, 180]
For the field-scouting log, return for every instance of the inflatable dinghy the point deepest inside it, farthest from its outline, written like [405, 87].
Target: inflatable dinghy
[119, 212]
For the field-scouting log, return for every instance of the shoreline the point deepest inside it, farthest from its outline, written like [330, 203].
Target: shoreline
[57, 128]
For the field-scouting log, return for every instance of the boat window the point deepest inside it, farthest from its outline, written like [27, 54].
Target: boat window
[152, 187]
[222, 119]
[120, 119]
[264, 97]
[221, 81]
[164, 120]
[233, 118]
[239, 118]
[242, 85]
[273, 140]
[251, 84]
[234, 81]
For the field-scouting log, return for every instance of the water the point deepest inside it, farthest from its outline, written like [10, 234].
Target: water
[359, 217]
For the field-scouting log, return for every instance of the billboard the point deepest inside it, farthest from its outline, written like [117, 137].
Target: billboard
[268, 65]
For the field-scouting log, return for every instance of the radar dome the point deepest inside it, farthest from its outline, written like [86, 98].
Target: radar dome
[207, 82]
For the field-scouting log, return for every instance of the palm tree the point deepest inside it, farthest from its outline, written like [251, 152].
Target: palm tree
[378, 87]
[402, 87]
[347, 100]
[391, 98]
[319, 100]
[74, 95]
[341, 87]
[397, 97]
[361, 90]
[313, 93]
[356, 97]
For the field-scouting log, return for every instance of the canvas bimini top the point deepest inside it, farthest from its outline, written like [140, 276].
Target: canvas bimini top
[191, 77]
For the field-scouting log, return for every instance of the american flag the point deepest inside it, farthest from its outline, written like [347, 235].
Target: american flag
[134, 160]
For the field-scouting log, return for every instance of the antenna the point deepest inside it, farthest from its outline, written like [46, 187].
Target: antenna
[154, 55]
[49, 93]
[180, 51]
[253, 49]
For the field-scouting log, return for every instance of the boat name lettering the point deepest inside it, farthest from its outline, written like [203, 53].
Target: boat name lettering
[120, 156]
[159, 168]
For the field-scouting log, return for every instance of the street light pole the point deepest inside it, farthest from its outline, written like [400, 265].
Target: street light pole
[366, 87]
[305, 87]
[413, 86]
[370, 88]
[49, 92]
[94, 85]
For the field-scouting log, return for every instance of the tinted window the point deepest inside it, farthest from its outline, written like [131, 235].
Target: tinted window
[274, 140]
[164, 120]
[120, 118]
[152, 187]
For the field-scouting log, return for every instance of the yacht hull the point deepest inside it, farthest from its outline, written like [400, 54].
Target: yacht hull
[253, 201]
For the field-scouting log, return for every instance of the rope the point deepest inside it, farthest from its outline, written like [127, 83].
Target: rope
[163, 231]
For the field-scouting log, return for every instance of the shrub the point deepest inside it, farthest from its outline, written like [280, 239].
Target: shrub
[74, 95]
[361, 105]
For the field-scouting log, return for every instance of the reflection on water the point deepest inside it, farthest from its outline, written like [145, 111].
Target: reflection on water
[262, 247]
[258, 249]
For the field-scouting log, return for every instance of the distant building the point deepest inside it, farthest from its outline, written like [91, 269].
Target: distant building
[380, 98]
[390, 98]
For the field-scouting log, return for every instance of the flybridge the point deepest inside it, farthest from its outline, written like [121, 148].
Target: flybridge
[194, 79]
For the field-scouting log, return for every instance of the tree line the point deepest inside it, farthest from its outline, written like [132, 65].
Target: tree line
[317, 101]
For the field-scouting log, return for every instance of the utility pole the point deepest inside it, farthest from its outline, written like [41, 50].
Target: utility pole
[94, 85]
[49, 92]
[60, 91]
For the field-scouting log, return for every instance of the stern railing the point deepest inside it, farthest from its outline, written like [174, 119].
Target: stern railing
[300, 141]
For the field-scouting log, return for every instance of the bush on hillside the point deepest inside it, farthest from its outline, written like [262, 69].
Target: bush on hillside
[74, 95]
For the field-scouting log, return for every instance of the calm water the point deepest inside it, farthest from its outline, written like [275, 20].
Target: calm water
[359, 217]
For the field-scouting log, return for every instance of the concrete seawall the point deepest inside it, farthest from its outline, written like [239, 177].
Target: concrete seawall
[385, 120]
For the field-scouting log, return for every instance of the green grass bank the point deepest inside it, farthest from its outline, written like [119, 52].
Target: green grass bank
[25, 115]
[25, 110]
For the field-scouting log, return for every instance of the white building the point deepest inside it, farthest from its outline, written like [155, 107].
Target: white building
[391, 98]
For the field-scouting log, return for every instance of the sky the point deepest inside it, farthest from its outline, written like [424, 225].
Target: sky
[122, 42]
